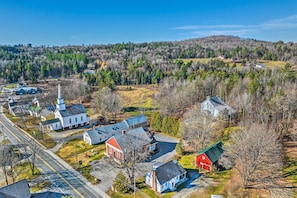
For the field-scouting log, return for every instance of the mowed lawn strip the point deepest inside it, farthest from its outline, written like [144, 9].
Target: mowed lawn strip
[77, 150]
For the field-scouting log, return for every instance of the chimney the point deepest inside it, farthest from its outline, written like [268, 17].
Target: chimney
[123, 132]
[154, 180]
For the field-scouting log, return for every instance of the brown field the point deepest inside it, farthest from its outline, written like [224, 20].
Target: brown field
[267, 63]
[137, 99]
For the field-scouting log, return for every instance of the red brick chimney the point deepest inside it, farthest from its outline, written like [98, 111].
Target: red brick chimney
[154, 180]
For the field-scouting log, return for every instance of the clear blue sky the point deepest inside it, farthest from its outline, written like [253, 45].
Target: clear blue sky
[71, 22]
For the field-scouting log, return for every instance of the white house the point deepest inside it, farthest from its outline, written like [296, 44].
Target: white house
[215, 106]
[260, 65]
[166, 177]
[103, 133]
[71, 116]
[51, 125]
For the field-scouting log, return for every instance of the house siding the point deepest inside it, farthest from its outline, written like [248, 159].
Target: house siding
[207, 106]
[203, 162]
[114, 152]
[151, 179]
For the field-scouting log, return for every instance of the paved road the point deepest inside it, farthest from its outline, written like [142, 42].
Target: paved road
[65, 178]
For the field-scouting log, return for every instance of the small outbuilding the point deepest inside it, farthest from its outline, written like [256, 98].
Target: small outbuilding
[208, 158]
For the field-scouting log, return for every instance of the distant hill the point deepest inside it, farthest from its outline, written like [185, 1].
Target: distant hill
[132, 62]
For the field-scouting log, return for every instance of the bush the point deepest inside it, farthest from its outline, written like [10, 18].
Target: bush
[180, 147]
[156, 122]
[170, 125]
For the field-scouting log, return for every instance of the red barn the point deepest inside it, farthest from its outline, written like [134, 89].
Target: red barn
[209, 157]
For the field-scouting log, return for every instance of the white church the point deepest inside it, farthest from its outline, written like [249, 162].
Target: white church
[66, 117]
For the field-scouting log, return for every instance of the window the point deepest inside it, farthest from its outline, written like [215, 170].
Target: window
[75, 120]
[81, 118]
[69, 120]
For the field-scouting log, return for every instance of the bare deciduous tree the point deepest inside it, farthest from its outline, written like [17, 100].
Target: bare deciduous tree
[257, 153]
[109, 101]
[134, 153]
[197, 128]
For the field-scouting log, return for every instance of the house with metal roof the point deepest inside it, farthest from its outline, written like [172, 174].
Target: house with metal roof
[137, 121]
[102, 133]
[166, 177]
[208, 158]
[216, 107]
[122, 146]
[16, 190]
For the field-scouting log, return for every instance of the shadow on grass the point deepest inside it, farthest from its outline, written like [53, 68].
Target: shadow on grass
[135, 109]
[49, 194]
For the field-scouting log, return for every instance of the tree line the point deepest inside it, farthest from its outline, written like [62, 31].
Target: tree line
[130, 63]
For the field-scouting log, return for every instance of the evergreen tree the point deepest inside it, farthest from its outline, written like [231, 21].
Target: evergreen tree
[120, 183]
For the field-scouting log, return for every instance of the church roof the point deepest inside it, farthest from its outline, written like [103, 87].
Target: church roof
[52, 121]
[73, 110]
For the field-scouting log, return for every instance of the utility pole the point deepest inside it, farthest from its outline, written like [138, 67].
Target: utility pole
[76, 156]
[133, 172]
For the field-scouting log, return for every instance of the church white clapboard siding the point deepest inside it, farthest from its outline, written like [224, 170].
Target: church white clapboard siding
[69, 117]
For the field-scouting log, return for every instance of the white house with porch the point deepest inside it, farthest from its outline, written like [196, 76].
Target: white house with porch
[166, 177]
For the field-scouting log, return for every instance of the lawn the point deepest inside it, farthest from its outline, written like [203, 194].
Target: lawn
[143, 192]
[188, 161]
[39, 186]
[77, 150]
[221, 178]
[11, 86]
[29, 127]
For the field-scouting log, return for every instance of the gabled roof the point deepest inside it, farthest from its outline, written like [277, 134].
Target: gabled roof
[15, 190]
[135, 120]
[107, 129]
[73, 110]
[216, 101]
[52, 121]
[45, 112]
[169, 170]
[112, 141]
[213, 152]
[132, 139]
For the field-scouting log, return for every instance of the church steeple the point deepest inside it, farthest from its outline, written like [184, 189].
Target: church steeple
[60, 100]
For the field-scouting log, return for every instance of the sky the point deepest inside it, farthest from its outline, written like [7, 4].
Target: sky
[92, 22]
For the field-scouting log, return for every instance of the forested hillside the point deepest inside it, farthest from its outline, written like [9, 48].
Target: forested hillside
[130, 63]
